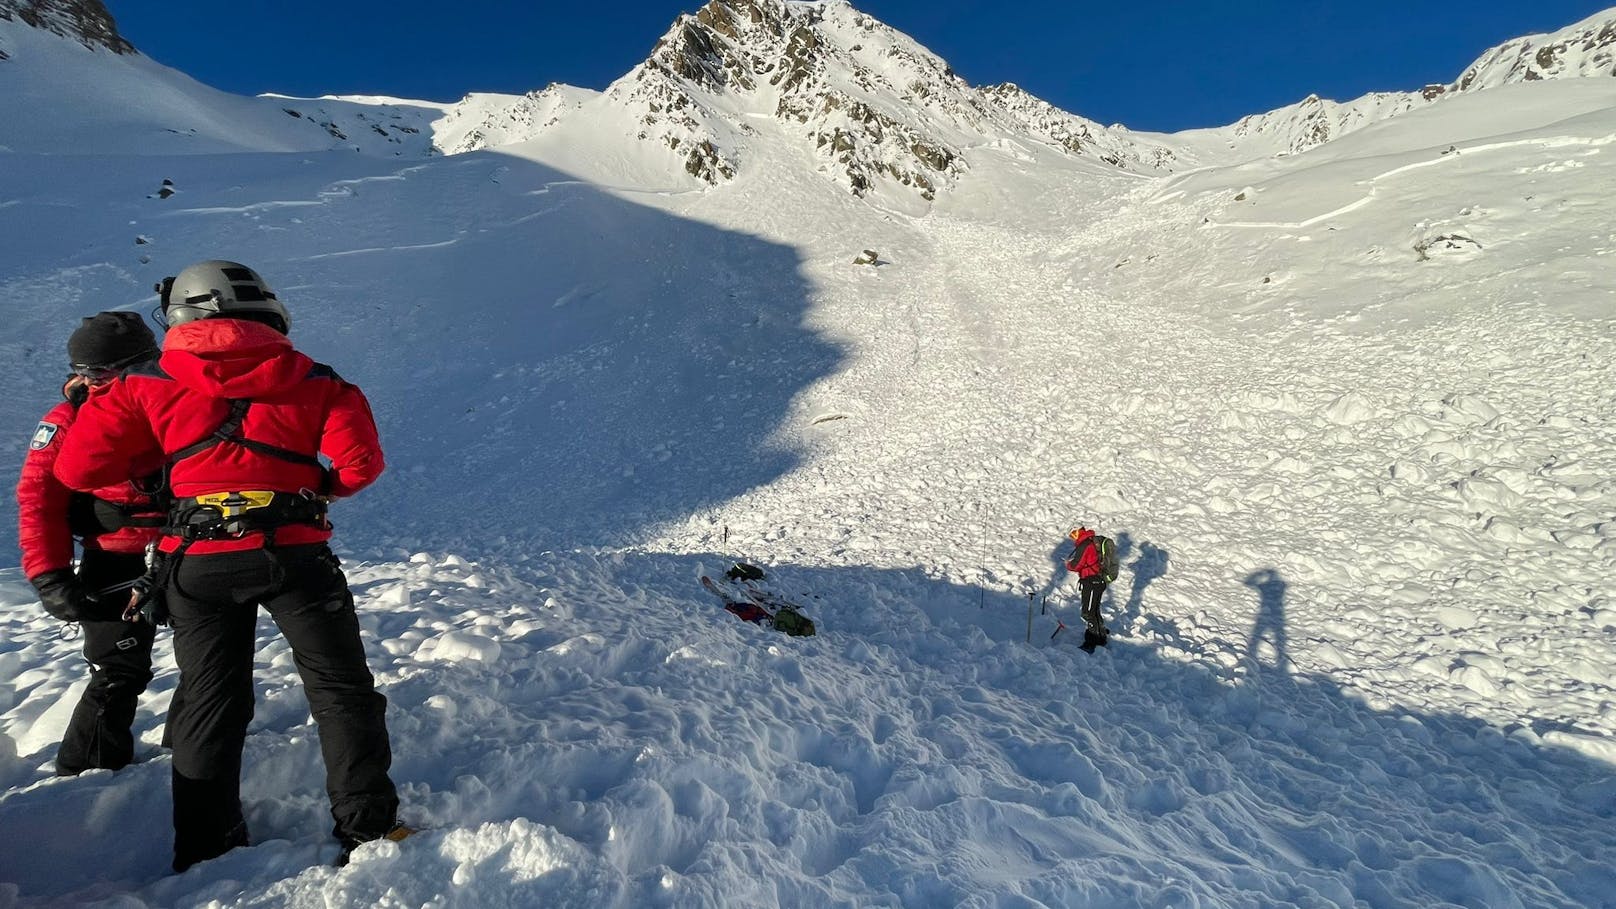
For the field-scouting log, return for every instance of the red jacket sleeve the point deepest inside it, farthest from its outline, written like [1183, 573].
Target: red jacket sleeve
[110, 436]
[1085, 559]
[350, 440]
[42, 500]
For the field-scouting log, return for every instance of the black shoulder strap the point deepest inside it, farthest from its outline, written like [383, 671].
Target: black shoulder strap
[223, 433]
[230, 431]
[1077, 550]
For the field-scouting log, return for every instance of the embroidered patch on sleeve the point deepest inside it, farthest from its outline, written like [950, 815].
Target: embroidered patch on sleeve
[43, 435]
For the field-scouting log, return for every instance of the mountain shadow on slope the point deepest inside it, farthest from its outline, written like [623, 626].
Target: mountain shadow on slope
[548, 361]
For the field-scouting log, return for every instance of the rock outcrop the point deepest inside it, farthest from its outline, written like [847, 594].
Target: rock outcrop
[85, 21]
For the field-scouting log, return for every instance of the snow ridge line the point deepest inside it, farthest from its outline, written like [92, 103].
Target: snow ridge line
[1549, 142]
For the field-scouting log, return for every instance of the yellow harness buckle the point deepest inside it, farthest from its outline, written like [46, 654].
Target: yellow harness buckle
[235, 504]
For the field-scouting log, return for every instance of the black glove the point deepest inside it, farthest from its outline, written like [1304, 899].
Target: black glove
[63, 595]
[149, 604]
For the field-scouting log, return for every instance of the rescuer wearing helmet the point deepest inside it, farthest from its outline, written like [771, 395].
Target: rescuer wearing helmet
[240, 419]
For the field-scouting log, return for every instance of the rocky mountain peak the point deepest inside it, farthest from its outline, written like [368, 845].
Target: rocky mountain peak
[85, 21]
[1587, 48]
[879, 110]
[736, 81]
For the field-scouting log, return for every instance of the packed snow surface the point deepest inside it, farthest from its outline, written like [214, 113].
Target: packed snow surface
[1350, 415]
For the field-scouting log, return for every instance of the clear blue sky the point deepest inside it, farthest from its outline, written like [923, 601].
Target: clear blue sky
[1166, 65]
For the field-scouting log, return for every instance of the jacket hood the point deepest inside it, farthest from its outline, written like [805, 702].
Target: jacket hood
[232, 358]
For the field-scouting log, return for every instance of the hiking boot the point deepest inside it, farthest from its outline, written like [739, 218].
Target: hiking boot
[1093, 638]
[399, 833]
[185, 857]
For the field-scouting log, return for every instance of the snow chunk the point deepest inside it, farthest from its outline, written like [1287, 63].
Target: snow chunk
[694, 655]
[461, 647]
[1109, 501]
[1468, 409]
[1477, 680]
[1455, 617]
[1350, 409]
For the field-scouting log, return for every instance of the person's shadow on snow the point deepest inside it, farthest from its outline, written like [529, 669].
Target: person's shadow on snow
[1151, 564]
[1269, 628]
[1057, 556]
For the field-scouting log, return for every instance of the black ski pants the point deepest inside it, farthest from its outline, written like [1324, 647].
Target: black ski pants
[1093, 590]
[99, 735]
[213, 605]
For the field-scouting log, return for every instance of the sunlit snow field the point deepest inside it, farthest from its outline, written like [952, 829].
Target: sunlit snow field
[1351, 415]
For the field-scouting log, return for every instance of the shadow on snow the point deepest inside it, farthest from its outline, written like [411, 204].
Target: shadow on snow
[643, 723]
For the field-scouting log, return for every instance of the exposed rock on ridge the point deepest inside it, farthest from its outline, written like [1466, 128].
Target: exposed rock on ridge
[1587, 48]
[880, 113]
[1315, 121]
[85, 21]
[876, 107]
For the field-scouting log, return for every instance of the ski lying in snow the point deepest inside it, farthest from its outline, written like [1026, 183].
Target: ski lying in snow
[745, 609]
[760, 607]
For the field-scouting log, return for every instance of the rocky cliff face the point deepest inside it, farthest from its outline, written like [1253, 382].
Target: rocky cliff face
[85, 21]
[882, 114]
[879, 112]
[1587, 48]
[874, 106]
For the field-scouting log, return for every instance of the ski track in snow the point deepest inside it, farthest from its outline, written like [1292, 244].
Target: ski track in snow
[1376, 182]
[1363, 626]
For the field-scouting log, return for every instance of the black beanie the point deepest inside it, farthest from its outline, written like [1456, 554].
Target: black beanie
[111, 339]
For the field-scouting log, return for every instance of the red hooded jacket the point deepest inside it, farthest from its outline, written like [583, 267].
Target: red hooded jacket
[1087, 564]
[44, 531]
[163, 408]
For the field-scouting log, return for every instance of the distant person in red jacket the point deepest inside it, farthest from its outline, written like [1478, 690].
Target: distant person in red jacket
[114, 524]
[240, 418]
[1088, 561]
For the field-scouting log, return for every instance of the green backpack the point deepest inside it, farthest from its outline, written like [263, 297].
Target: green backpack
[792, 622]
[1107, 550]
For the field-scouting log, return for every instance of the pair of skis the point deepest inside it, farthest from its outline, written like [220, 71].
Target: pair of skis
[752, 604]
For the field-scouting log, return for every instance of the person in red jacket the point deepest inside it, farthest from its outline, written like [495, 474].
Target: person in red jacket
[241, 417]
[115, 523]
[1089, 566]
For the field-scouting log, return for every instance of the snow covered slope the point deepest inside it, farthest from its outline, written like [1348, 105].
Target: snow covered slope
[878, 113]
[884, 116]
[1350, 415]
[80, 95]
[1586, 49]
